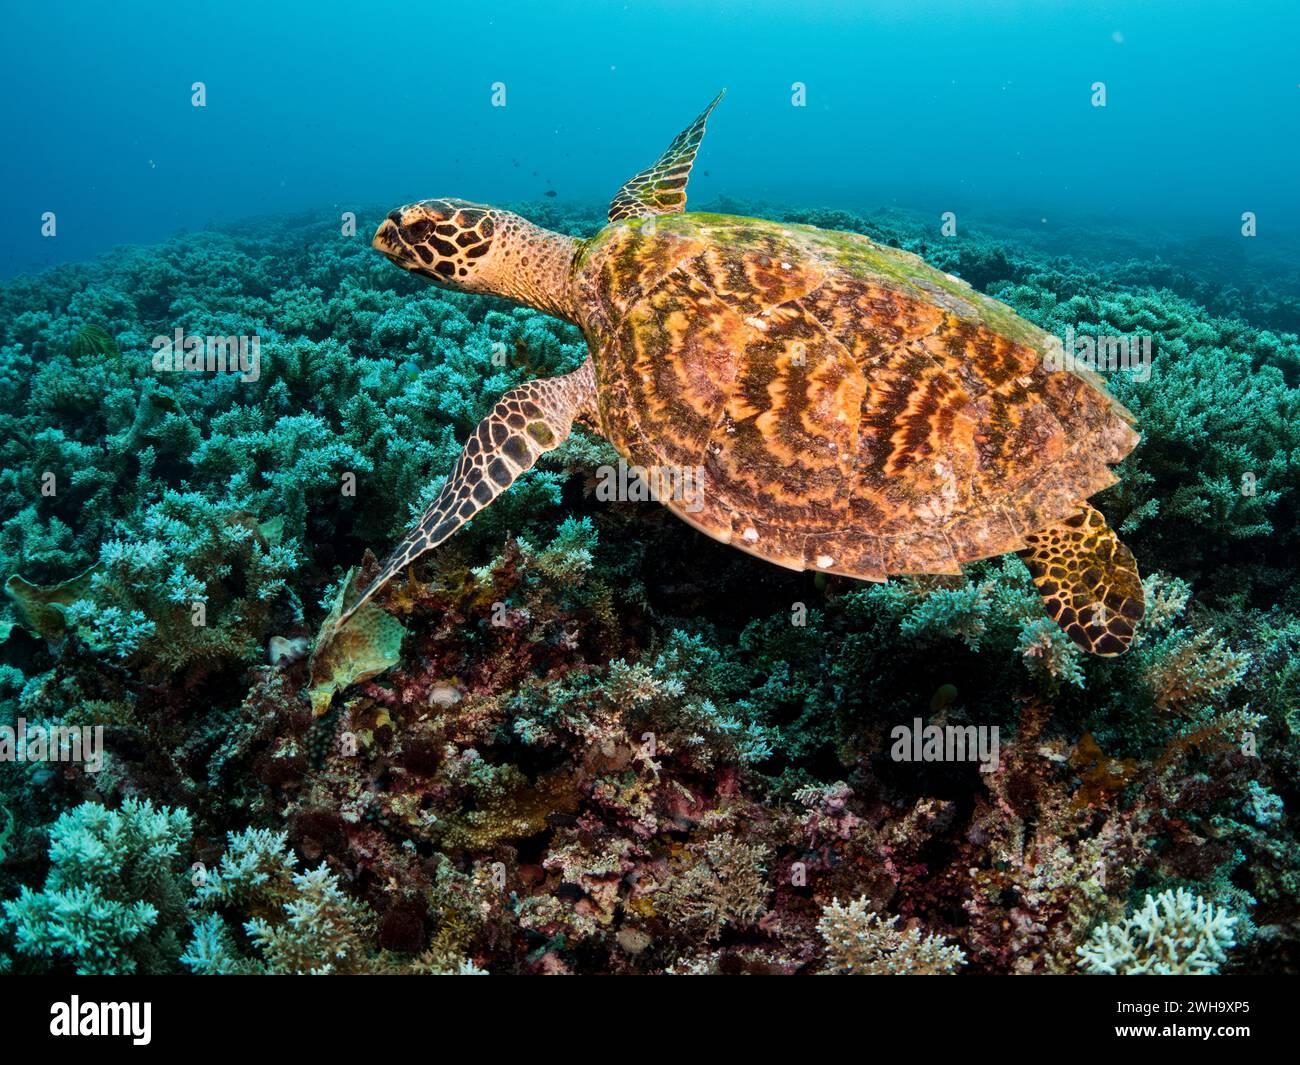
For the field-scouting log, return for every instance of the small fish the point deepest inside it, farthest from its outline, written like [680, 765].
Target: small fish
[551, 192]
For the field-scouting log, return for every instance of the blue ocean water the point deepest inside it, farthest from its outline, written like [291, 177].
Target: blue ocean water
[986, 110]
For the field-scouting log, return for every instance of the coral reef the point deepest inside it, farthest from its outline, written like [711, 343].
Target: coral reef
[580, 737]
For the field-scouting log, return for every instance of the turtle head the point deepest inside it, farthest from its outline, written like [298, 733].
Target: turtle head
[448, 241]
[473, 248]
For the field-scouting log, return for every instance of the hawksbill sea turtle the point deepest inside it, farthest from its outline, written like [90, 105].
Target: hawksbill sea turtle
[851, 409]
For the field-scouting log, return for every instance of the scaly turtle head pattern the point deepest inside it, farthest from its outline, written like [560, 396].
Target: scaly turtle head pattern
[470, 247]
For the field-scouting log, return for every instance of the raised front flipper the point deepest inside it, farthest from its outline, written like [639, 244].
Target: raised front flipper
[662, 188]
[1088, 581]
[526, 422]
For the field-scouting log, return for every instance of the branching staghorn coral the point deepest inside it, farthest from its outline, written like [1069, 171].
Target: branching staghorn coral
[299, 923]
[114, 900]
[720, 883]
[862, 943]
[1174, 932]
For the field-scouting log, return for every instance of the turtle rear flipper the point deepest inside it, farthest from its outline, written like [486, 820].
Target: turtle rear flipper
[1089, 582]
[526, 422]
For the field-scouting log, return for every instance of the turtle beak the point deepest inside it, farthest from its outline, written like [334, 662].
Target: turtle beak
[389, 242]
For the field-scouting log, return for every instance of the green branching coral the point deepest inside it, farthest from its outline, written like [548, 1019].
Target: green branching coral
[1174, 932]
[114, 898]
[859, 942]
[994, 610]
[298, 922]
[670, 697]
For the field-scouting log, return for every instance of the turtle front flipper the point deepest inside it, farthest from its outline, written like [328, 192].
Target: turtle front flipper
[662, 188]
[527, 422]
[1089, 582]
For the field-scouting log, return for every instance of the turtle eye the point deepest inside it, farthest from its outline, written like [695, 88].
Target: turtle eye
[417, 232]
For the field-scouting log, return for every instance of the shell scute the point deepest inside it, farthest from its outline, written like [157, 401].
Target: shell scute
[769, 274]
[674, 360]
[786, 439]
[861, 556]
[629, 264]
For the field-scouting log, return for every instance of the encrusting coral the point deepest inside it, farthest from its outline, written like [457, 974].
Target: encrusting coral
[581, 737]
